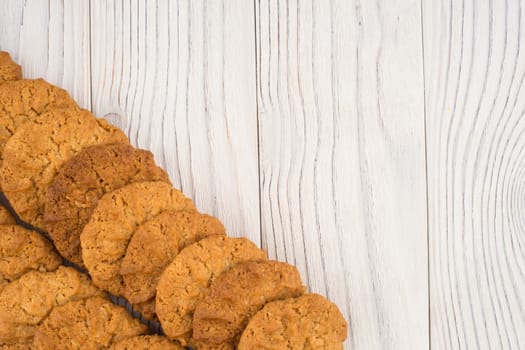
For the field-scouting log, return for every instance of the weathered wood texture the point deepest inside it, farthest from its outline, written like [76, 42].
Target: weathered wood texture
[50, 39]
[340, 99]
[179, 78]
[475, 103]
[307, 126]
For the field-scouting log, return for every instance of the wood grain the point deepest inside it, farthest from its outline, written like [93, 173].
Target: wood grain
[330, 96]
[475, 104]
[50, 39]
[179, 78]
[340, 101]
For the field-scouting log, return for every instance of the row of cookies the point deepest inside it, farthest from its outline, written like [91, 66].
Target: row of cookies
[42, 303]
[24, 101]
[142, 239]
[45, 305]
[146, 242]
[147, 237]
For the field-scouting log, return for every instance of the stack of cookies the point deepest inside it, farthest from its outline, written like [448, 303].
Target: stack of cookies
[108, 212]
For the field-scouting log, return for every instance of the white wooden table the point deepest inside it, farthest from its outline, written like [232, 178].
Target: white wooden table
[377, 145]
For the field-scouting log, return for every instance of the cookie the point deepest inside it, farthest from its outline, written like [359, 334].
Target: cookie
[113, 222]
[146, 342]
[92, 323]
[9, 70]
[23, 100]
[156, 243]
[26, 302]
[23, 250]
[26, 99]
[82, 180]
[185, 281]
[236, 295]
[309, 322]
[40, 147]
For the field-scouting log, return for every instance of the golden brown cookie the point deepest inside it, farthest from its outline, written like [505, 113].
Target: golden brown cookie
[92, 323]
[21, 101]
[309, 322]
[236, 295]
[185, 281]
[113, 222]
[146, 342]
[9, 70]
[156, 243]
[24, 100]
[22, 250]
[26, 302]
[40, 147]
[82, 180]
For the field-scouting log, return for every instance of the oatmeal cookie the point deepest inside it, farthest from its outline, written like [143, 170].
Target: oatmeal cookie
[26, 302]
[185, 281]
[236, 295]
[156, 243]
[113, 222]
[40, 147]
[23, 100]
[82, 180]
[26, 99]
[23, 250]
[92, 323]
[309, 322]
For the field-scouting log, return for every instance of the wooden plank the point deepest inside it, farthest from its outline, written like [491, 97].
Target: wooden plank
[341, 119]
[50, 39]
[10, 22]
[475, 103]
[179, 78]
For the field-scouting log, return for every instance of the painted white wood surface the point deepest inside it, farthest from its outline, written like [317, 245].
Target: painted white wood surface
[475, 104]
[342, 159]
[301, 124]
[50, 39]
[179, 78]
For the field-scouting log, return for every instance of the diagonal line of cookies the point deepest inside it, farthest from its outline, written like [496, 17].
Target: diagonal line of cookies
[91, 226]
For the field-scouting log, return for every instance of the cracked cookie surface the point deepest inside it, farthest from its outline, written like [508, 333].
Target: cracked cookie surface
[40, 147]
[236, 295]
[309, 322]
[26, 302]
[23, 100]
[92, 323]
[185, 281]
[26, 99]
[23, 250]
[115, 219]
[82, 180]
[154, 245]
